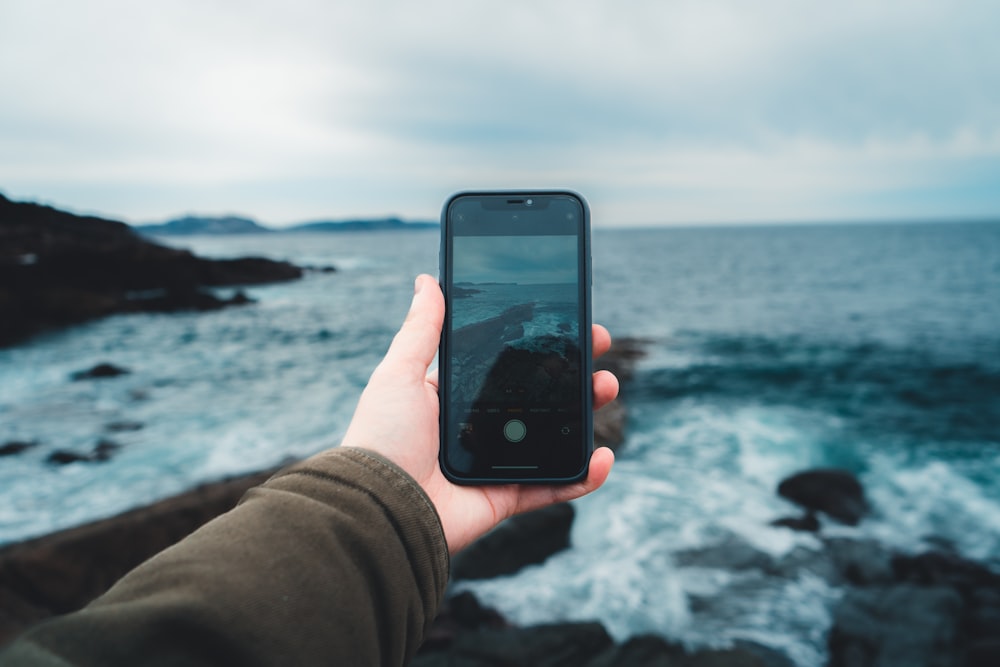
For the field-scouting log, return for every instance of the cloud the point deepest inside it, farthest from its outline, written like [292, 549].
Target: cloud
[660, 112]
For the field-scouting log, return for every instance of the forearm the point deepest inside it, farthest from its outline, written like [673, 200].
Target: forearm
[338, 559]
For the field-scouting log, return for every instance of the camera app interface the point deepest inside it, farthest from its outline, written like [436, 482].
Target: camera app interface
[515, 357]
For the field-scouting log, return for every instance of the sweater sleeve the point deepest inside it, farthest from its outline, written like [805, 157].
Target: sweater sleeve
[337, 560]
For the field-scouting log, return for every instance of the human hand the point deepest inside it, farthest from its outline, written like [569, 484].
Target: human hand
[397, 416]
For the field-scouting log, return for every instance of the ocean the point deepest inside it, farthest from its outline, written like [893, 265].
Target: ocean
[770, 350]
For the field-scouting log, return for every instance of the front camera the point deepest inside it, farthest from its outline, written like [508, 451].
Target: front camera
[528, 202]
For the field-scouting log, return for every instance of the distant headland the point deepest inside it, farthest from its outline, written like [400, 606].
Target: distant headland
[239, 225]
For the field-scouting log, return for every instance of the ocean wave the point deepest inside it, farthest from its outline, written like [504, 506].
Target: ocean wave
[876, 386]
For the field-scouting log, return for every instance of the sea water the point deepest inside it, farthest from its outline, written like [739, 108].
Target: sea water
[874, 348]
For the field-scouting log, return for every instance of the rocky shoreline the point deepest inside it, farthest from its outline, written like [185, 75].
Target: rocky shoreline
[934, 608]
[58, 269]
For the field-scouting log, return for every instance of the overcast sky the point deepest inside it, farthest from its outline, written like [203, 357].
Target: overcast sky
[658, 111]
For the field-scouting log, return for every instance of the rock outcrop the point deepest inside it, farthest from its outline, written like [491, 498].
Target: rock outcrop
[59, 269]
[835, 492]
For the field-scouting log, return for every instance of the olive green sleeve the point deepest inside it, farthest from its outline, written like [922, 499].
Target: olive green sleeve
[339, 559]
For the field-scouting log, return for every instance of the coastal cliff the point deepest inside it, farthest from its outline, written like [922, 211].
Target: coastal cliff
[58, 269]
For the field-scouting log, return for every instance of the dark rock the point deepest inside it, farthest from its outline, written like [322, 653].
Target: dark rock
[976, 584]
[102, 370]
[983, 619]
[985, 653]
[860, 562]
[609, 425]
[768, 656]
[63, 457]
[611, 420]
[104, 449]
[59, 269]
[808, 523]
[16, 447]
[123, 426]
[102, 452]
[64, 571]
[458, 614]
[904, 625]
[555, 645]
[641, 651]
[837, 493]
[328, 268]
[522, 540]
[621, 359]
[937, 567]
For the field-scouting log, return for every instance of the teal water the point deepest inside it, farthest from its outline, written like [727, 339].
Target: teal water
[770, 349]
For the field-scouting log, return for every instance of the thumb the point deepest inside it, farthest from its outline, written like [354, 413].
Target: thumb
[417, 341]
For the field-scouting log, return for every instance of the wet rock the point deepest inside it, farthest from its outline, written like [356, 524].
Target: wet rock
[835, 492]
[63, 457]
[861, 562]
[621, 359]
[938, 567]
[320, 268]
[807, 523]
[458, 614]
[467, 634]
[123, 426]
[16, 447]
[903, 625]
[641, 651]
[609, 425]
[525, 539]
[554, 645]
[937, 609]
[102, 451]
[100, 371]
[985, 653]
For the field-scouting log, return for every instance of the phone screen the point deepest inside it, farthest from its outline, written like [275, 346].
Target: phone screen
[515, 378]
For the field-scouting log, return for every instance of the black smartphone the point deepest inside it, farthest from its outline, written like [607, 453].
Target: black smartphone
[515, 368]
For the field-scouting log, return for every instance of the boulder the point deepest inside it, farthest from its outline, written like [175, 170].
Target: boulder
[522, 540]
[100, 371]
[900, 625]
[16, 447]
[123, 426]
[807, 523]
[835, 492]
[101, 452]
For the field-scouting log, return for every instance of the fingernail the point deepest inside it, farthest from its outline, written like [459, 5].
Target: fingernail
[416, 285]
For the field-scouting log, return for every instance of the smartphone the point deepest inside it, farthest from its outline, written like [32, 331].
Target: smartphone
[515, 367]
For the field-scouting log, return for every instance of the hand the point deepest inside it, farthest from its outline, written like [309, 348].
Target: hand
[397, 416]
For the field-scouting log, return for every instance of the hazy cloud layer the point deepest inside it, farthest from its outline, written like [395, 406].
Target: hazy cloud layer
[657, 111]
